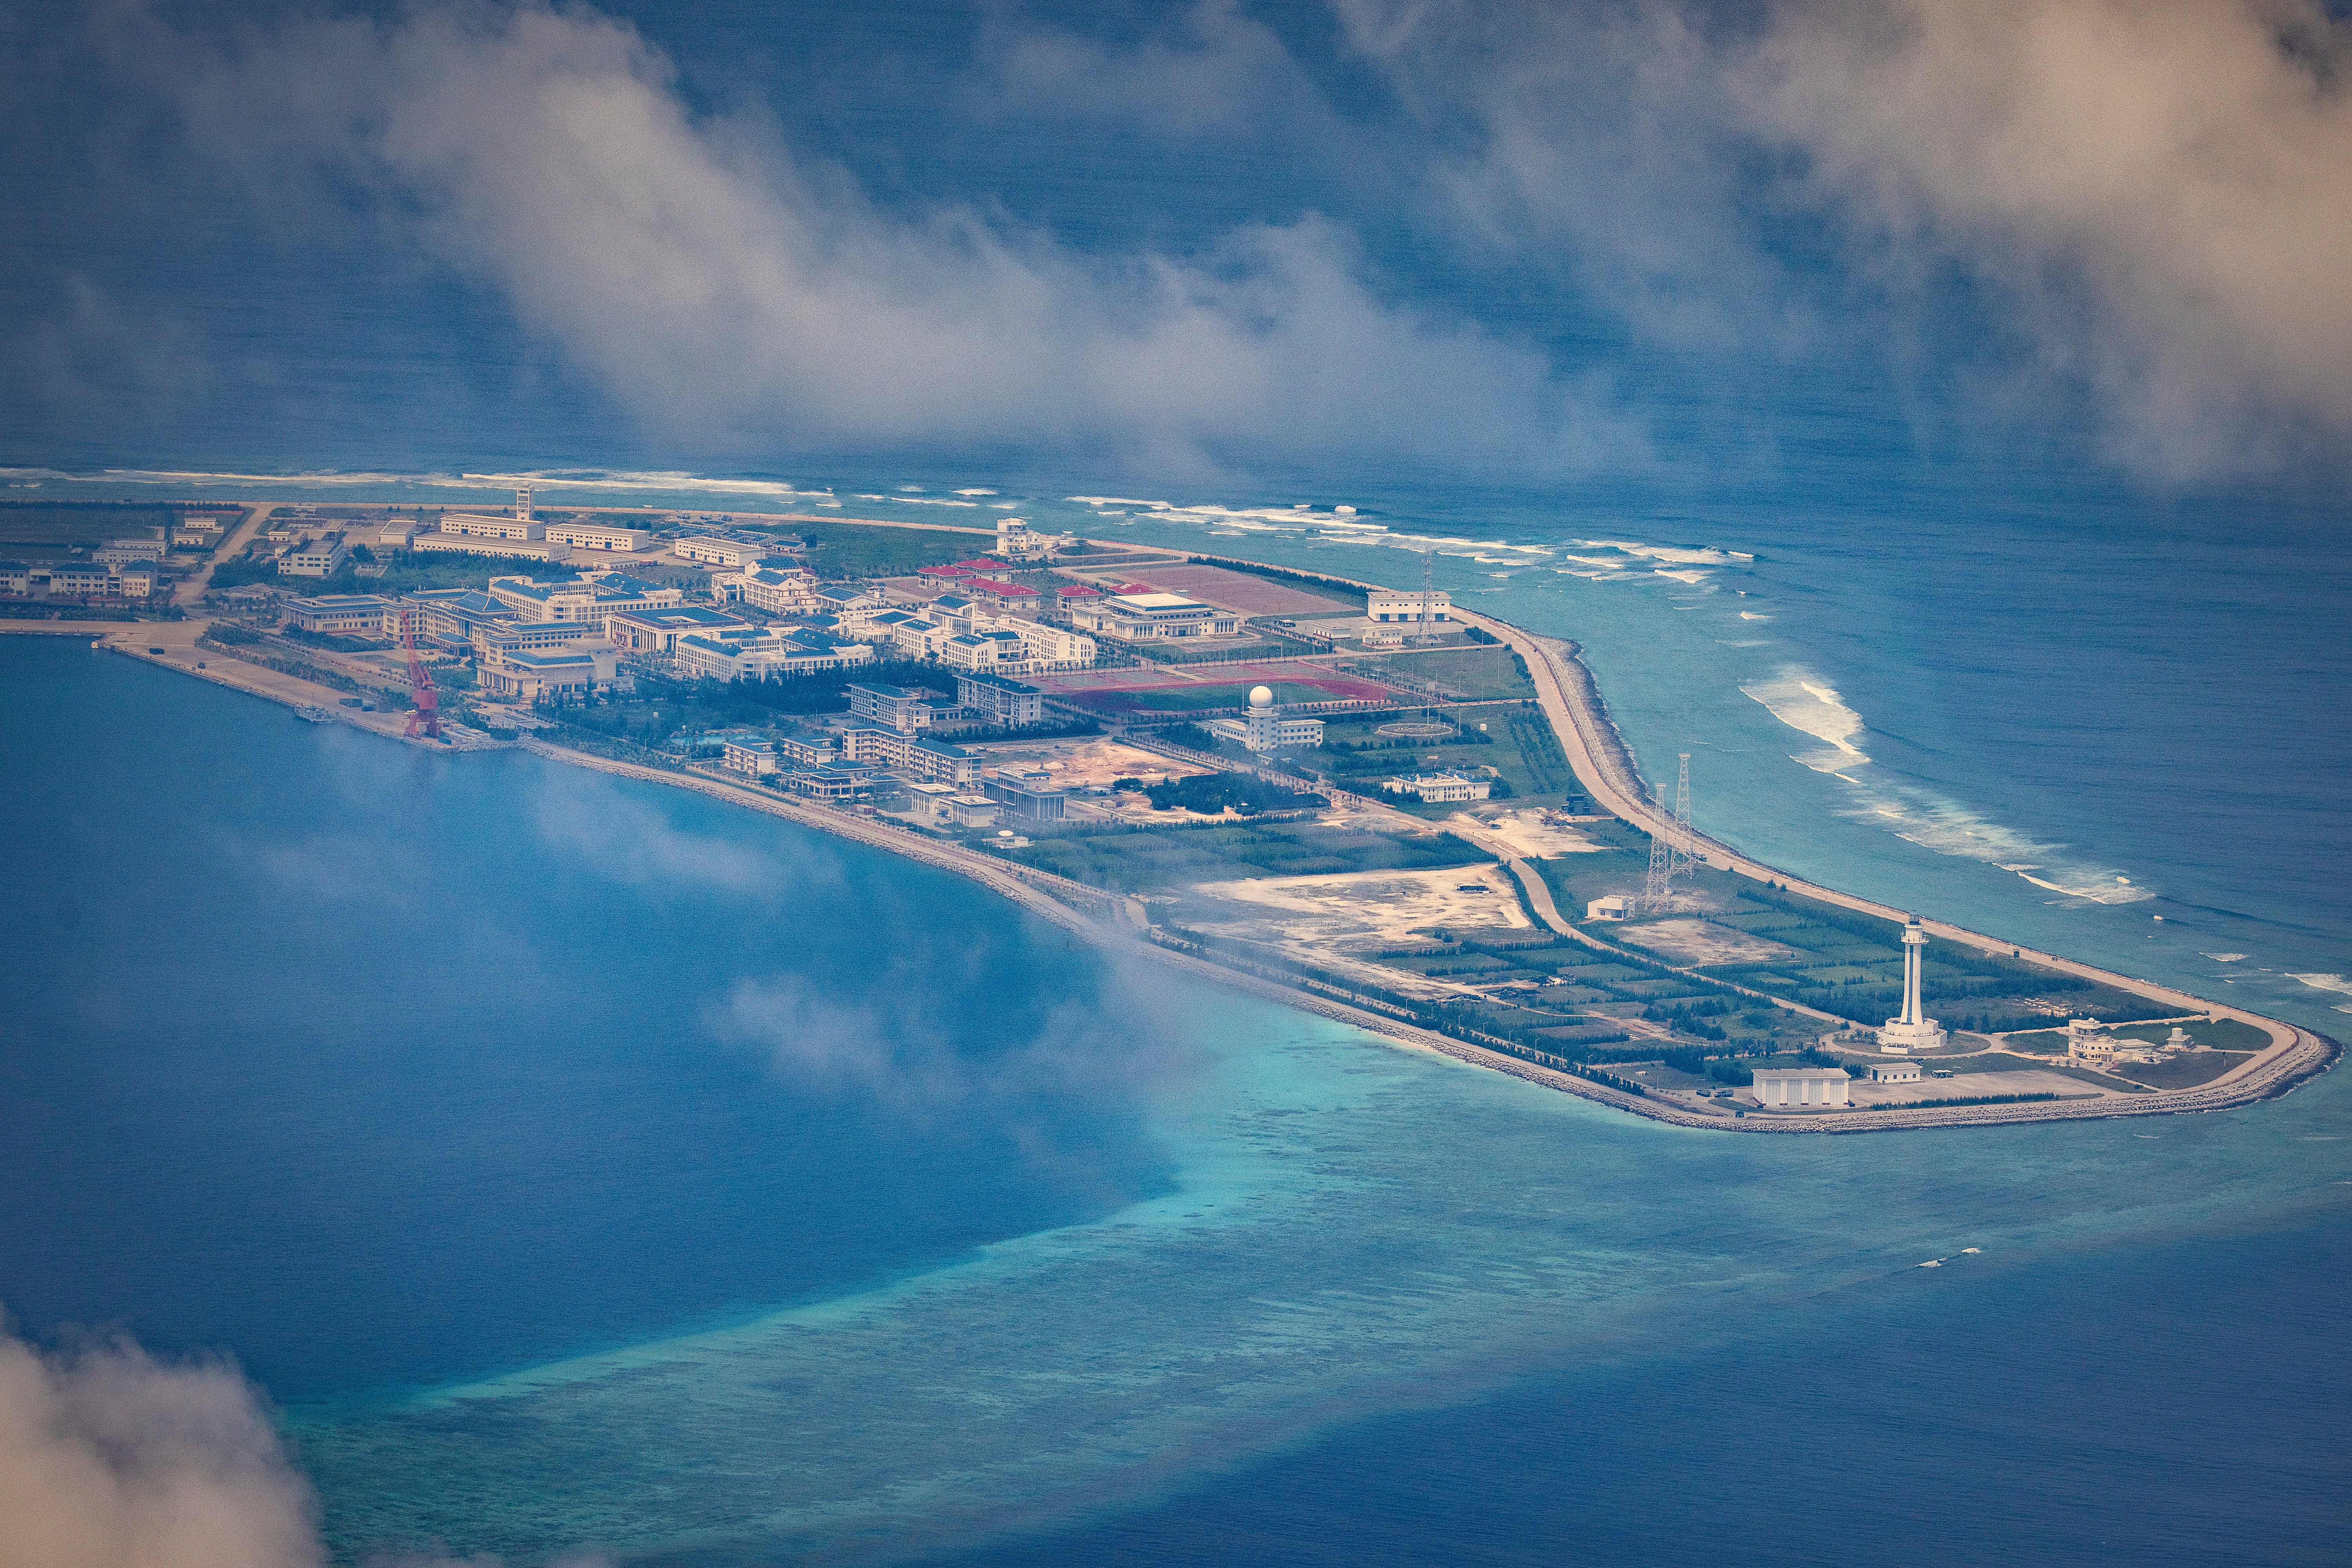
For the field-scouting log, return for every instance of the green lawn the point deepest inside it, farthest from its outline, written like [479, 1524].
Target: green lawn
[1132, 858]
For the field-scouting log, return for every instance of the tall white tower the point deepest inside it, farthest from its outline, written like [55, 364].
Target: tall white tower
[1915, 1031]
[522, 504]
[1262, 721]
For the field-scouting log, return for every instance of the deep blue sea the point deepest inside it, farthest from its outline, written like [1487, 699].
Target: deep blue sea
[580, 1164]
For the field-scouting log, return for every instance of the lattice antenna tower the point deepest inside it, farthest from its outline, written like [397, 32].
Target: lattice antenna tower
[1683, 856]
[1670, 852]
[1426, 635]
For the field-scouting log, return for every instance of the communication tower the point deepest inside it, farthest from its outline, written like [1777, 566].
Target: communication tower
[1671, 855]
[1426, 635]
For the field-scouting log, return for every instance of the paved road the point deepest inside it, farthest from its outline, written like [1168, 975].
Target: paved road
[190, 592]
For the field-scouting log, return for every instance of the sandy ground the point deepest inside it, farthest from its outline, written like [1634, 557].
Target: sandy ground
[1528, 834]
[1099, 762]
[1975, 1083]
[1364, 909]
[1699, 941]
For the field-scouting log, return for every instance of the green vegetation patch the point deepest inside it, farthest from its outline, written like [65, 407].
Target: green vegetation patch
[405, 572]
[862, 550]
[1473, 674]
[1131, 858]
[79, 523]
[2184, 1071]
[1210, 794]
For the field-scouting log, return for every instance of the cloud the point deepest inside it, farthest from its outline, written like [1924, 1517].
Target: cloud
[726, 291]
[634, 840]
[896, 1044]
[2162, 188]
[2150, 201]
[111, 1459]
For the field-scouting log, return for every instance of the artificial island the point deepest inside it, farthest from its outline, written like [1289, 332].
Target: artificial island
[1367, 802]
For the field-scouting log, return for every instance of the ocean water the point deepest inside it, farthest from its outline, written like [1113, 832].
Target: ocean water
[690, 1216]
[582, 1165]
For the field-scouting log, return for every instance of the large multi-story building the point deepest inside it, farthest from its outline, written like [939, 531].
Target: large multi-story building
[320, 557]
[780, 591]
[1047, 647]
[1008, 703]
[757, 654]
[731, 553]
[590, 601]
[985, 653]
[1140, 617]
[547, 675]
[600, 536]
[933, 761]
[490, 525]
[473, 544]
[338, 615]
[902, 708]
[655, 632]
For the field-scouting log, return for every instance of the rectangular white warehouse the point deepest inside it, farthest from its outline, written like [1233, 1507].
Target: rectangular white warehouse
[1802, 1086]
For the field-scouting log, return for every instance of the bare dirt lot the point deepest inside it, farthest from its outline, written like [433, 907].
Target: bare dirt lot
[1527, 833]
[1970, 1085]
[1703, 941]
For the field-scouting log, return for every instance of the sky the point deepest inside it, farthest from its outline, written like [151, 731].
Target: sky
[1179, 240]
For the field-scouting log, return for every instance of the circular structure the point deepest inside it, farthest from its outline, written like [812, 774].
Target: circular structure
[1261, 696]
[1413, 729]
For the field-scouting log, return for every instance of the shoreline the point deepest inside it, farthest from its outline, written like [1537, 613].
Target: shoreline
[1572, 705]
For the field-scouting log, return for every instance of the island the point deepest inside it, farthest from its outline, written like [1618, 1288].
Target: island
[1365, 802]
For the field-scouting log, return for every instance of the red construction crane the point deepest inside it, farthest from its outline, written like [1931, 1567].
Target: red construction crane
[424, 702]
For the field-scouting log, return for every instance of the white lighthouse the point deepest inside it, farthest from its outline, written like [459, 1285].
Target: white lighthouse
[1915, 1031]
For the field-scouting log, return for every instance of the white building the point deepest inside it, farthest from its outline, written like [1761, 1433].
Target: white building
[555, 674]
[1816, 1087]
[1440, 787]
[1914, 1031]
[986, 653]
[1612, 908]
[752, 758]
[1404, 605]
[1139, 617]
[343, 614]
[1264, 730]
[1005, 702]
[783, 591]
[590, 602]
[1894, 1072]
[484, 525]
[600, 536]
[478, 545]
[655, 632]
[756, 655]
[1049, 648]
[315, 558]
[729, 553]
[902, 708]
[931, 802]
[1014, 542]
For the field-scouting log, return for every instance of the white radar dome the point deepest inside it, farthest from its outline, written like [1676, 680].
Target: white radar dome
[1261, 696]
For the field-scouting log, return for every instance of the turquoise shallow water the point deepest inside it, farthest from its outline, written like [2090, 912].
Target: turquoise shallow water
[594, 1249]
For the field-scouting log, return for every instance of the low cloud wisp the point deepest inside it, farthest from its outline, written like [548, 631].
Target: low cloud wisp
[707, 277]
[109, 1459]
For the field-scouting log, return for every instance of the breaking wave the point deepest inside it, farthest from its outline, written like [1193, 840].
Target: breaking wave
[1805, 702]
